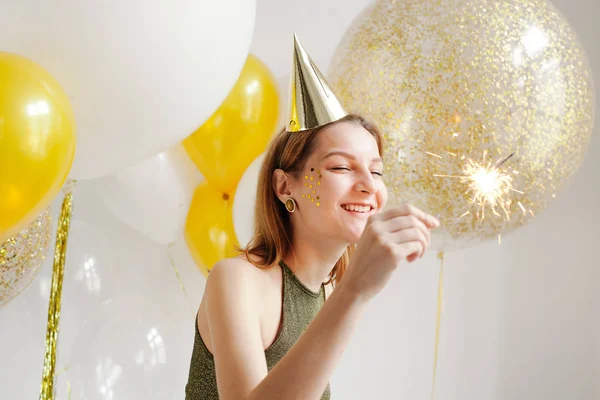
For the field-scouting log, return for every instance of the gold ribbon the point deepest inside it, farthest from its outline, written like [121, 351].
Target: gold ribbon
[440, 256]
[60, 253]
[178, 275]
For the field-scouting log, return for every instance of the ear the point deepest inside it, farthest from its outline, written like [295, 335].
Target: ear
[281, 185]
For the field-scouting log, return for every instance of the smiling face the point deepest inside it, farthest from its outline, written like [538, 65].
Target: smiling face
[340, 185]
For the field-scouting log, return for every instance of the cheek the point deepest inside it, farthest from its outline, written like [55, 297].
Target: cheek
[382, 195]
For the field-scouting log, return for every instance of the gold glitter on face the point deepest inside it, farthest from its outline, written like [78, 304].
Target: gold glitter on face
[22, 255]
[447, 82]
[312, 192]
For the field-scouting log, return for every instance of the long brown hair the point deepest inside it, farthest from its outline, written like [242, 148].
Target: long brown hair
[272, 239]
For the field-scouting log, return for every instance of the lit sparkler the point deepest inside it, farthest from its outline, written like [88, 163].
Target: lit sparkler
[487, 185]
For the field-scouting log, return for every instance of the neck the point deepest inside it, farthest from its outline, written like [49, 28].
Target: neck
[312, 259]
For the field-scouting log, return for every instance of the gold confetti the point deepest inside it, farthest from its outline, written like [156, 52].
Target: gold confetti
[22, 255]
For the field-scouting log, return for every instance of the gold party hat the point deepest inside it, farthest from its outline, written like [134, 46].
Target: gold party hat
[311, 102]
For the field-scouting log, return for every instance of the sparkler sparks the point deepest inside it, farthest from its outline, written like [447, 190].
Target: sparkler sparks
[488, 186]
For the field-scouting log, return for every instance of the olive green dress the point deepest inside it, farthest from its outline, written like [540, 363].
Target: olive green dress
[300, 306]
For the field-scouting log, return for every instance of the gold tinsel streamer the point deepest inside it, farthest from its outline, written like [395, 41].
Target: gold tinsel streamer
[60, 253]
[438, 323]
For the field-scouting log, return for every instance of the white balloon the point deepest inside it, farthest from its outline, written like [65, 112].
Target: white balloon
[140, 75]
[153, 197]
[128, 351]
[244, 201]
[120, 294]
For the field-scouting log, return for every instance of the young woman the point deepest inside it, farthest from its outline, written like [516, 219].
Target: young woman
[264, 330]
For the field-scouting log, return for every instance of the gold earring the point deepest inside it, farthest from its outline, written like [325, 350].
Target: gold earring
[290, 204]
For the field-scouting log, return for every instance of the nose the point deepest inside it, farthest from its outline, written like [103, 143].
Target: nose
[365, 183]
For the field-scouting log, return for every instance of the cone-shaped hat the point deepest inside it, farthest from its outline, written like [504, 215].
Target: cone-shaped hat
[311, 102]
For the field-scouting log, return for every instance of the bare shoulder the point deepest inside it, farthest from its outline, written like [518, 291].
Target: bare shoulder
[238, 276]
[234, 274]
[234, 266]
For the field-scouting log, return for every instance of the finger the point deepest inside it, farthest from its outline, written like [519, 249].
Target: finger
[409, 209]
[405, 222]
[409, 235]
[428, 219]
[412, 257]
[401, 210]
[432, 222]
[412, 250]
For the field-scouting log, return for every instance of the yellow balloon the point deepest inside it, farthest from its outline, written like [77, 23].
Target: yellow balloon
[209, 232]
[37, 141]
[239, 130]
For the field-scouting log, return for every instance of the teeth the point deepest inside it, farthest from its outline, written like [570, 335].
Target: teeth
[357, 208]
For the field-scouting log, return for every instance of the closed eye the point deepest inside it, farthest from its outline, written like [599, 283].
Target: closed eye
[348, 169]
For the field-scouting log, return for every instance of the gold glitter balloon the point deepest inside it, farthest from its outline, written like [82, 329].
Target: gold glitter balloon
[486, 106]
[22, 255]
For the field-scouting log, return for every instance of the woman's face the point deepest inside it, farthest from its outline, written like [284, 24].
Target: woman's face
[341, 184]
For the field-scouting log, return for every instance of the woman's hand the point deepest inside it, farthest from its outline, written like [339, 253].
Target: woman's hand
[396, 234]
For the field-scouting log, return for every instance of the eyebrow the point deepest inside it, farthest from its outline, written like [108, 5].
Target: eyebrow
[347, 155]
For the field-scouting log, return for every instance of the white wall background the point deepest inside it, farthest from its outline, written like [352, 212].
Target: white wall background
[521, 320]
